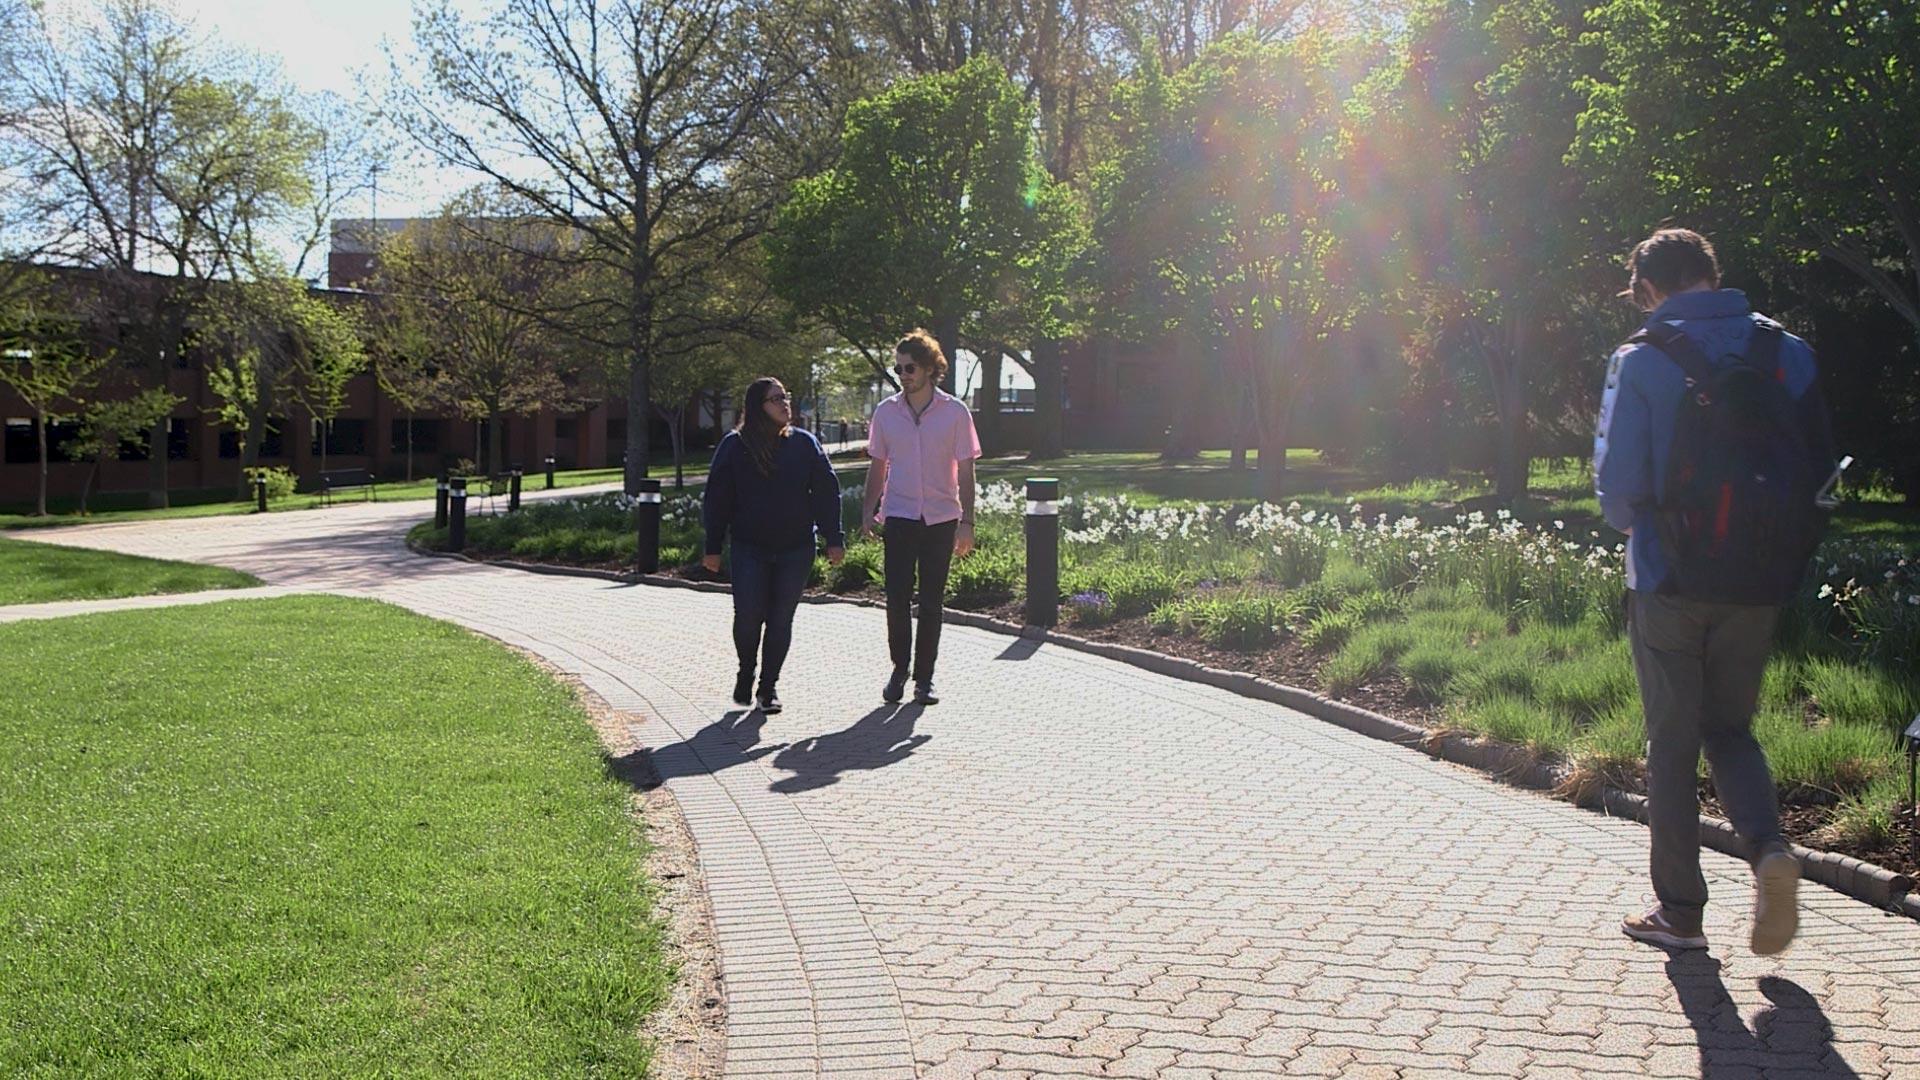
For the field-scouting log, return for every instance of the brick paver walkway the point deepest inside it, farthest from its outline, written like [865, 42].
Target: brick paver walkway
[1076, 868]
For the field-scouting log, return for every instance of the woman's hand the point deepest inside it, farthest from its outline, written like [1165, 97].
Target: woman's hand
[711, 562]
[835, 555]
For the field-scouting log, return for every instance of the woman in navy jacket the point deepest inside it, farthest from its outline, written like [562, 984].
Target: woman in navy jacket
[773, 488]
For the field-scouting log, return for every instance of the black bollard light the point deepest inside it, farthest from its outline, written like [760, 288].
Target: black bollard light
[260, 494]
[440, 502]
[1043, 551]
[1912, 736]
[549, 472]
[647, 510]
[513, 492]
[457, 514]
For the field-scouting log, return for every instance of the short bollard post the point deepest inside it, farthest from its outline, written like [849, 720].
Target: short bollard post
[260, 494]
[440, 502]
[1043, 551]
[513, 492]
[457, 514]
[549, 472]
[647, 509]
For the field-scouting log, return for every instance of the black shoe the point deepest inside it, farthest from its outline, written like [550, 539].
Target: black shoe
[896, 688]
[923, 694]
[770, 702]
[743, 688]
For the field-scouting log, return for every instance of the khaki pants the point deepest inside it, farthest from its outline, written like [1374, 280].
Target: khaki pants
[1700, 666]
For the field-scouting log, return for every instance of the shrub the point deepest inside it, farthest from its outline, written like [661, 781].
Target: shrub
[1130, 588]
[985, 578]
[862, 568]
[1824, 761]
[1373, 605]
[1513, 719]
[1613, 744]
[1167, 618]
[1370, 651]
[1090, 609]
[1329, 631]
[280, 480]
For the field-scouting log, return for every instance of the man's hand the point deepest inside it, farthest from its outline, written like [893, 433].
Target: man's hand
[866, 529]
[836, 555]
[711, 562]
[963, 539]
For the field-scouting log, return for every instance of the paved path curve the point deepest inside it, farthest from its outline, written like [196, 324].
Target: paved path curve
[1075, 868]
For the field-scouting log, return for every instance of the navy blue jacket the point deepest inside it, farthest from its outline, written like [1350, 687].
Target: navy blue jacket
[1642, 400]
[778, 512]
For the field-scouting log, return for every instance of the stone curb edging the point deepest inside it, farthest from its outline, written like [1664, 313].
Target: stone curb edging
[1863, 881]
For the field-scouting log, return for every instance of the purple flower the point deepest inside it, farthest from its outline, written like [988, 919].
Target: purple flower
[1089, 600]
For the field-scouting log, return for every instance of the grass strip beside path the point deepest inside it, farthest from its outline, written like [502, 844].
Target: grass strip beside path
[43, 573]
[309, 837]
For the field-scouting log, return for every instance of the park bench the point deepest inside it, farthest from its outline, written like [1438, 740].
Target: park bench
[335, 480]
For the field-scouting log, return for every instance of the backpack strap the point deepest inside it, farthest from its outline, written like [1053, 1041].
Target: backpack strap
[1679, 348]
[1763, 348]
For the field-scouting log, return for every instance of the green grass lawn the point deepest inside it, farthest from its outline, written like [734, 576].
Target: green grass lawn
[309, 837]
[40, 573]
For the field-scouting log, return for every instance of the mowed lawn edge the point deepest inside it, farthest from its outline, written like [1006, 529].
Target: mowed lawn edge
[310, 836]
[36, 573]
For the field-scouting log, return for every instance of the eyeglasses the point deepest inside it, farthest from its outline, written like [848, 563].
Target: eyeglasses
[904, 369]
[777, 399]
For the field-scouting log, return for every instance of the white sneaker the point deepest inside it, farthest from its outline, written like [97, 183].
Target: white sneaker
[1656, 927]
[1776, 901]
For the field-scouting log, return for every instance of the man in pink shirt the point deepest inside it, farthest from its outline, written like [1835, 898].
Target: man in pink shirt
[920, 487]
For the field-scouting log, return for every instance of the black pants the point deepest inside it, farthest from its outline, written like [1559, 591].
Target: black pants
[916, 547]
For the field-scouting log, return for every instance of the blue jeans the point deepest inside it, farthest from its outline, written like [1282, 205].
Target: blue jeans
[766, 591]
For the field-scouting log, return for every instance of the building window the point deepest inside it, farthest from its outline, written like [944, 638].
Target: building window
[426, 436]
[272, 445]
[229, 444]
[22, 448]
[343, 437]
[180, 439]
[565, 427]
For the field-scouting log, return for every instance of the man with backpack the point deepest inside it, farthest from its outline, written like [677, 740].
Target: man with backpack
[1712, 453]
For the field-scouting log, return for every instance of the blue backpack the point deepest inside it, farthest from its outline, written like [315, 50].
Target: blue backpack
[1739, 518]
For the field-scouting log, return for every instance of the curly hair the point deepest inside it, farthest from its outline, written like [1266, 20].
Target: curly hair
[922, 348]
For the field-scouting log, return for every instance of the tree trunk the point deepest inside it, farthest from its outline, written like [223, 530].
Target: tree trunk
[676, 431]
[409, 447]
[986, 401]
[1505, 356]
[496, 459]
[86, 486]
[1237, 462]
[1188, 390]
[1049, 404]
[1273, 451]
[252, 438]
[157, 463]
[946, 330]
[40, 509]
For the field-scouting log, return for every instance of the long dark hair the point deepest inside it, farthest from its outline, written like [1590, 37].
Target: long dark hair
[757, 430]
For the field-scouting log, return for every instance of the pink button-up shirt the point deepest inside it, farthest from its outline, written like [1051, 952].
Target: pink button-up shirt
[923, 456]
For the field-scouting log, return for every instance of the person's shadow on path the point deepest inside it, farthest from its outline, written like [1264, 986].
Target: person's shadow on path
[1794, 1034]
[880, 738]
[731, 740]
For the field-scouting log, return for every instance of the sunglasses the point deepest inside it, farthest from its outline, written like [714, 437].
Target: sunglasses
[905, 369]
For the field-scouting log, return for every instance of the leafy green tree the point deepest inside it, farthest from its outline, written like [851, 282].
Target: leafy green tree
[661, 132]
[1494, 248]
[934, 215]
[48, 362]
[158, 160]
[463, 299]
[110, 424]
[1217, 215]
[1793, 124]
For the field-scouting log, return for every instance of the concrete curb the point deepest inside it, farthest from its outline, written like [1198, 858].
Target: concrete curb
[1863, 881]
